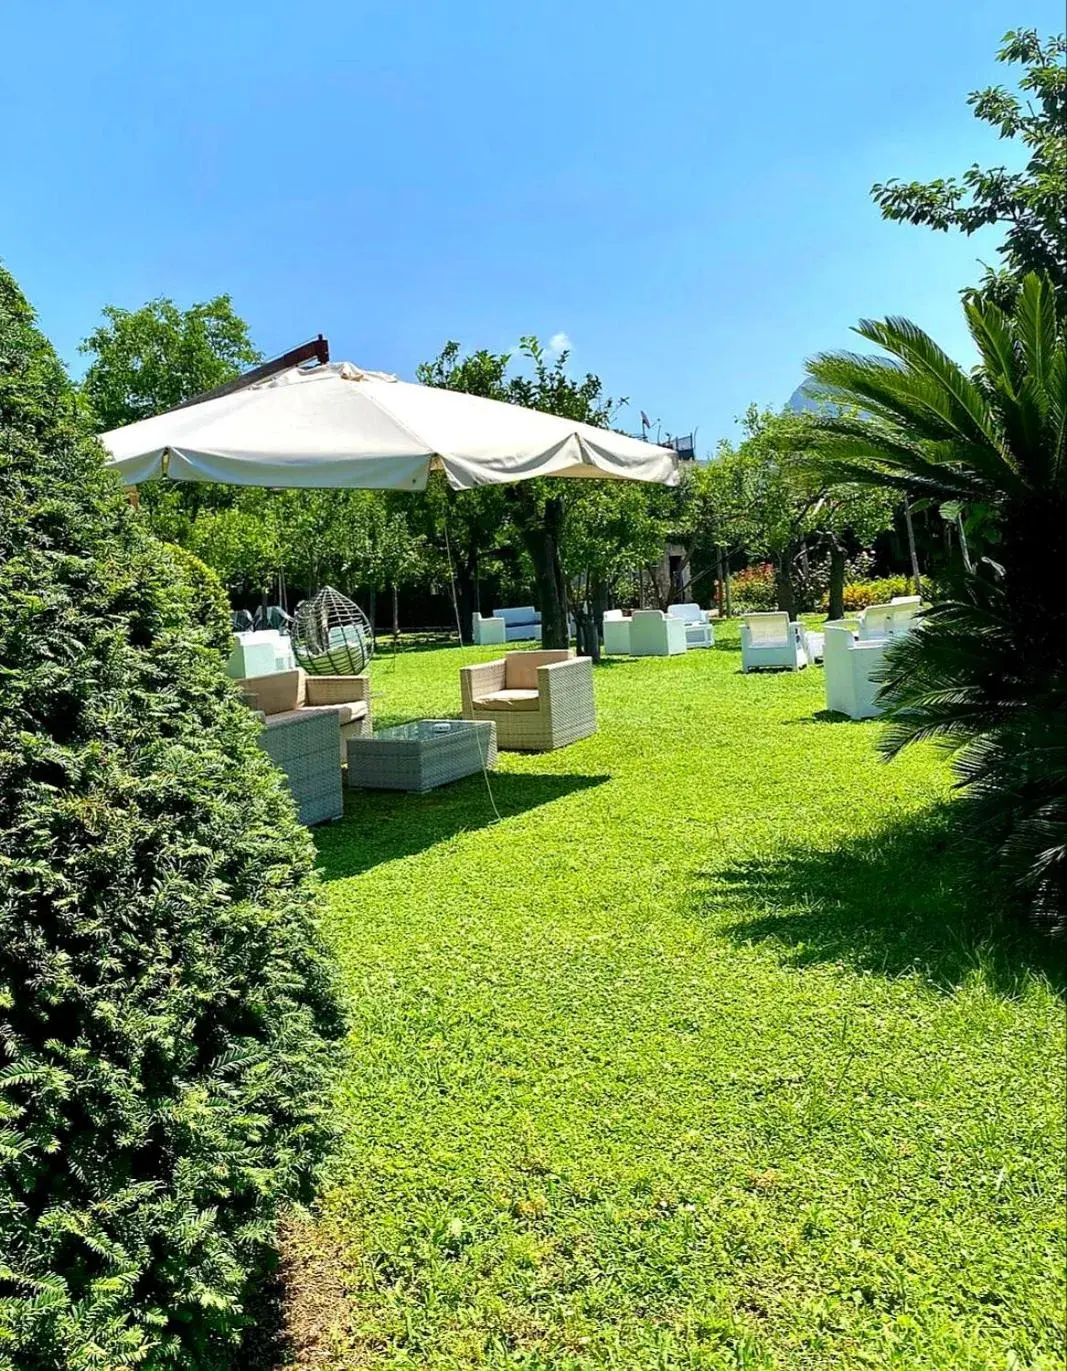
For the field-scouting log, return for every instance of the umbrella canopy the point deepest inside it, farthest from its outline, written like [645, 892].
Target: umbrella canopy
[338, 426]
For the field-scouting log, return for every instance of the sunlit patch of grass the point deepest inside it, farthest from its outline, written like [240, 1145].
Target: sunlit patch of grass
[700, 1058]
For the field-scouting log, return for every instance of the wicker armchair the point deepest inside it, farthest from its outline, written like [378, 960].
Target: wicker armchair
[284, 694]
[538, 700]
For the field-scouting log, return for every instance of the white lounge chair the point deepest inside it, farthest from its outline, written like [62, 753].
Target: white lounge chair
[772, 640]
[698, 629]
[655, 634]
[616, 626]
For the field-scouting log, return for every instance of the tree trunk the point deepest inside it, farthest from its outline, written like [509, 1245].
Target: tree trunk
[396, 613]
[912, 550]
[542, 543]
[373, 611]
[466, 593]
[727, 589]
[720, 583]
[783, 585]
[837, 583]
[588, 609]
[598, 603]
[586, 637]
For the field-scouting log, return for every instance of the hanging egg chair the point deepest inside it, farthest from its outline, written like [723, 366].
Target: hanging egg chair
[331, 636]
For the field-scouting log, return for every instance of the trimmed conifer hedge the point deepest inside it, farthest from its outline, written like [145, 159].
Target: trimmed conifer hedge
[166, 1008]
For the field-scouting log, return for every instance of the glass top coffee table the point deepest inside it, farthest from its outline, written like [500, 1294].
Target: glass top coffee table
[421, 755]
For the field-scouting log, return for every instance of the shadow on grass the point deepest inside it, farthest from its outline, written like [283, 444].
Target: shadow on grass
[907, 900]
[382, 825]
[266, 1344]
[824, 716]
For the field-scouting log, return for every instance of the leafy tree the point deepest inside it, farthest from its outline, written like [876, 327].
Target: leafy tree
[147, 360]
[986, 671]
[240, 543]
[764, 496]
[537, 509]
[611, 529]
[1031, 204]
[164, 999]
[541, 506]
[465, 527]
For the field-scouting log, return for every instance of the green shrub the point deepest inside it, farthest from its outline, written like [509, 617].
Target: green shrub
[860, 594]
[208, 603]
[165, 1006]
[753, 589]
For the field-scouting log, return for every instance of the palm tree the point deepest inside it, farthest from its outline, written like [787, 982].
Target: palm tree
[985, 672]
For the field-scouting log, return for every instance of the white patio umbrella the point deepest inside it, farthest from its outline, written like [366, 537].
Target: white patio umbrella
[337, 426]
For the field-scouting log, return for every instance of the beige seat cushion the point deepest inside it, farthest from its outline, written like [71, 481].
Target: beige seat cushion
[347, 712]
[508, 699]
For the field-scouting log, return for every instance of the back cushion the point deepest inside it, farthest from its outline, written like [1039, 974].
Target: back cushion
[521, 669]
[524, 614]
[769, 629]
[278, 692]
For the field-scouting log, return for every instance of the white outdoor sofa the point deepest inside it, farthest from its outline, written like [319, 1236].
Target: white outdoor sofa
[655, 634]
[770, 641]
[698, 629]
[616, 627]
[522, 622]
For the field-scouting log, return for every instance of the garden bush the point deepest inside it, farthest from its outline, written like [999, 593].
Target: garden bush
[859, 594]
[166, 1009]
[753, 589]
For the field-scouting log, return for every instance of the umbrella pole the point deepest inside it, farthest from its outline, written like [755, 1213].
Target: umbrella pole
[452, 581]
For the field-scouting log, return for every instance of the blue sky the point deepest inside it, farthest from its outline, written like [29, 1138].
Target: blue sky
[681, 190]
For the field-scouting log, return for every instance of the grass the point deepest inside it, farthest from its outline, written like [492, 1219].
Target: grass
[701, 1057]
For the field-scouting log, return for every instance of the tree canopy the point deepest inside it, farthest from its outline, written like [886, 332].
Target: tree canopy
[1030, 203]
[147, 360]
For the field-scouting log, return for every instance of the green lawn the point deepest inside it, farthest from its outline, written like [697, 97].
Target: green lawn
[697, 1059]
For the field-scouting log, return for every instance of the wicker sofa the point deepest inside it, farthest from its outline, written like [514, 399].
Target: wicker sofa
[283, 694]
[538, 700]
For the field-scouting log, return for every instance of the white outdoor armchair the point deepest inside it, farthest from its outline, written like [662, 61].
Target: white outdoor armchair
[698, 629]
[772, 640]
[855, 652]
[888, 621]
[487, 630]
[655, 634]
[850, 662]
[616, 626]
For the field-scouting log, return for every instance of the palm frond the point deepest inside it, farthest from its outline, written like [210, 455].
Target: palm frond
[893, 458]
[949, 393]
[1037, 329]
[995, 340]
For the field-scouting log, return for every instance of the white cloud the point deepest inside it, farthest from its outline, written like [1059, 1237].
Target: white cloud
[559, 342]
